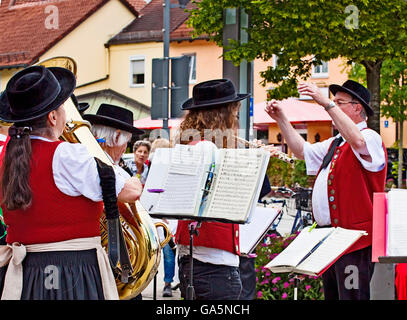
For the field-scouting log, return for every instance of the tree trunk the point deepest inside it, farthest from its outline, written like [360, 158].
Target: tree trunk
[373, 84]
[400, 169]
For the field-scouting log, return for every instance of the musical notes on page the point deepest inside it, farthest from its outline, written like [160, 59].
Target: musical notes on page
[237, 180]
[185, 160]
[180, 195]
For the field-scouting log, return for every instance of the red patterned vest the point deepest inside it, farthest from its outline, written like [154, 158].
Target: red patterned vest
[350, 193]
[53, 216]
[218, 235]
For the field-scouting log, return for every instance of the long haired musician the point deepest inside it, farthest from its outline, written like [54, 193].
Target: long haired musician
[51, 197]
[212, 115]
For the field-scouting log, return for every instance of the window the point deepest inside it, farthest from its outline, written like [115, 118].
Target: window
[275, 61]
[324, 90]
[192, 67]
[136, 71]
[320, 71]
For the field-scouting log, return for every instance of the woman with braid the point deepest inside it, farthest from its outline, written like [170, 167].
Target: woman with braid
[51, 197]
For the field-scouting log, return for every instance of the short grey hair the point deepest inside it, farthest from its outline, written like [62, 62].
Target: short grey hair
[363, 114]
[142, 143]
[110, 134]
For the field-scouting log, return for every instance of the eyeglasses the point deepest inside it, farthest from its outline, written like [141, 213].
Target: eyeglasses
[346, 102]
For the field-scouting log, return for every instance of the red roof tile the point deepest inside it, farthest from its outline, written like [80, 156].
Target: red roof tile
[138, 4]
[148, 26]
[27, 33]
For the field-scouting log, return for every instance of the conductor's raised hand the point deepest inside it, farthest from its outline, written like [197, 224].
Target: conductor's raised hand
[274, 110]
[314, 92]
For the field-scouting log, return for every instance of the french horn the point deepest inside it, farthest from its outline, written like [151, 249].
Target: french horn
[140, 233]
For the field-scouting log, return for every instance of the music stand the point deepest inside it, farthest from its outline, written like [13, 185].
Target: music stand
[190, 292]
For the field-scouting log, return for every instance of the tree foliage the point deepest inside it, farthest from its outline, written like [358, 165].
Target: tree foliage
[393, 97]
[303, 33]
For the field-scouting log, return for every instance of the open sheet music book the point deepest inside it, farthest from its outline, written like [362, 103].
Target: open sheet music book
[397, 222]
[252, 232]
[312, 252]
[202, 182]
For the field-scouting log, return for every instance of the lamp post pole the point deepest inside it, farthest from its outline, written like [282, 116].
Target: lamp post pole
[166, 65]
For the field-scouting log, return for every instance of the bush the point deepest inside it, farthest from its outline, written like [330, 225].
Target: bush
[280, 286]
[281, 173]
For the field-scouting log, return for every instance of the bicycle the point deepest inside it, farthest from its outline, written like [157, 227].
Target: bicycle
[303, 216]
[283, 210]
[303, 205]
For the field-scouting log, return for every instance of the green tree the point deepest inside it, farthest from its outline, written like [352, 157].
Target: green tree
[303, 33]
[393, 82]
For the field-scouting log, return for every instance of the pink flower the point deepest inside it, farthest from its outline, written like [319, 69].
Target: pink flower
[274, 289]
[286, 284]
[259, 294]
[275, 280]
[307, 287]
[284, 296]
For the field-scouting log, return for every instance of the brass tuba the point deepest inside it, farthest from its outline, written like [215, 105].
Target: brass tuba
[139, 231]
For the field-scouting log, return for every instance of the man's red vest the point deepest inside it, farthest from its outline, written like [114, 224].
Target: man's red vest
[350, 193]
[218, 235]
[53, 215]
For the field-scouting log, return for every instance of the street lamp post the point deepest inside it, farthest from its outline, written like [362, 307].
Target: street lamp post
[166, 39]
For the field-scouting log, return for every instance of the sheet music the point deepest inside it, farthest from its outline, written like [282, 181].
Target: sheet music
[185, 159]
[397, 223]
[251, 232]
[329, 250]
[156, 177]
[236, 181]
[181, 193]
[299, 248]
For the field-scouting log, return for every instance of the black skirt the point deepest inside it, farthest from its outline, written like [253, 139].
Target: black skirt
[60, 275]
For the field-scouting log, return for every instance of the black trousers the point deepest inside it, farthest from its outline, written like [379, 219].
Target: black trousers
[248, 278]
[210, 281]
[349, 277]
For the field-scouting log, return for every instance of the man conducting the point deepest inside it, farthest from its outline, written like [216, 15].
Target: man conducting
[350, 167]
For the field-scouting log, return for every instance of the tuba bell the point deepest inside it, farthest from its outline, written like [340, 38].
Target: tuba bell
[139, 231]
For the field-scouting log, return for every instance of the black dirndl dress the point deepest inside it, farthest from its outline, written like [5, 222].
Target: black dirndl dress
[60, 275]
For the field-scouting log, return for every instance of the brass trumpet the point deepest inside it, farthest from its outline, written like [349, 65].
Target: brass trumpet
[278, 154]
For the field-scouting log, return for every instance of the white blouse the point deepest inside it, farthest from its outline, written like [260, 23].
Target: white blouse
[75, 171]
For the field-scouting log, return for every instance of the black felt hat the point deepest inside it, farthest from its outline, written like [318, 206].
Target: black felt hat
[213, 93]
[34, 92]
[357, 91]
[113, 116]
[81, 106]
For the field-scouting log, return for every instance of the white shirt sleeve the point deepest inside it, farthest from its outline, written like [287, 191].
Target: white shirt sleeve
[75, 172]
[375, 149]
[314, 155]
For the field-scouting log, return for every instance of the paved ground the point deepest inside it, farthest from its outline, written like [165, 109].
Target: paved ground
[148, 293]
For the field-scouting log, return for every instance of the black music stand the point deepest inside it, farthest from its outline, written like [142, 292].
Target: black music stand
[190, 292]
